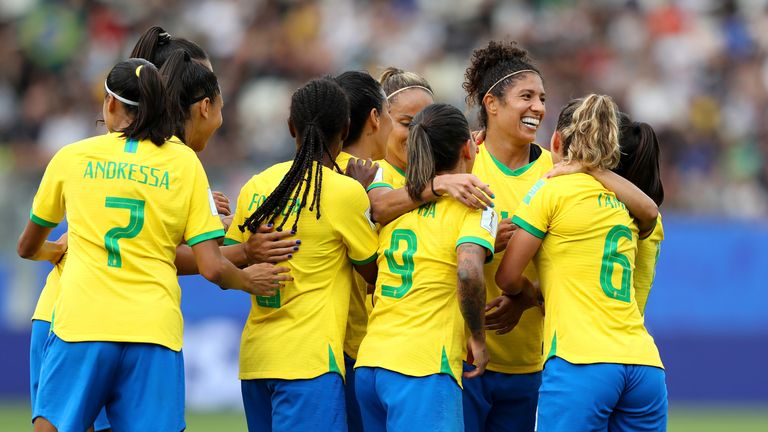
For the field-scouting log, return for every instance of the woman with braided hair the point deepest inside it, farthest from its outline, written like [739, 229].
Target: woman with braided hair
[291, 353]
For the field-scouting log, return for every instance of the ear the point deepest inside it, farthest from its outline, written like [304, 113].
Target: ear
[556, 143]
[374, 118]
[491, 104]
[204, 107]
[468, 149]
[111, 103]
[291, 128]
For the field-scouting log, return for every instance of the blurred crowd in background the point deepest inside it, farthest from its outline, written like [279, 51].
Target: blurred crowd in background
[696, 70]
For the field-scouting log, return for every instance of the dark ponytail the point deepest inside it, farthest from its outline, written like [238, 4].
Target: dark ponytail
[319, 112]
[156, 45]
[186, 82]
[365, 94]
[639, 162]
[138, 81]
[436, 137]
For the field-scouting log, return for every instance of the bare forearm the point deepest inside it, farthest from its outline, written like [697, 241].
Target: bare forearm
[471, 287]
[389, 204]
[187, 265]
[49, 251]
[640, 205]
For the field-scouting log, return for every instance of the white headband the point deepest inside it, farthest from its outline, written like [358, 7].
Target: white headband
[408, 88]
[507, 76]
[118, 97]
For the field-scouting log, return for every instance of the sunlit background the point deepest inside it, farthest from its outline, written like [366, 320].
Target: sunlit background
[696, 70]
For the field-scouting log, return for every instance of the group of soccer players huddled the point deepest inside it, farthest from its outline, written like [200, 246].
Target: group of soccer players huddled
[406, 273]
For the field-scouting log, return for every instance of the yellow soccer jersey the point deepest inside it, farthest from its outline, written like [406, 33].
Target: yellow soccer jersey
[358, 302]
[645, 265]
[299, 333]
[388, 176]
[416, 327]
[44, 308]
[585, 266]
[129, 204]
[519, 351]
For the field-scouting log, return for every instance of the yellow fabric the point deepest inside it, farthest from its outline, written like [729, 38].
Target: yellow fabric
[423, 332]
[140, 201]
[44, 308]
[519, 351]
[299, 333]
[388, 176]
[585, 265]
[645, 265]
[360, 300]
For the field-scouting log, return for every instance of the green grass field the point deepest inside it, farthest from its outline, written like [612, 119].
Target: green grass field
[689, 418]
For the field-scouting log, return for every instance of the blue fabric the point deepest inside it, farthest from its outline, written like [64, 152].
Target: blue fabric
[602, 396]
[390, 401]
[280, 405]
[141, 386]
[40, 331]
[497, 401]
[354, 419]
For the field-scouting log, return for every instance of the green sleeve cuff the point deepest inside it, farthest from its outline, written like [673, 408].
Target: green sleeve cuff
[229, 242]
[480, 242]
[373, 186]
[205, 236]
[528, 227]
[370, 259]
[40, 221]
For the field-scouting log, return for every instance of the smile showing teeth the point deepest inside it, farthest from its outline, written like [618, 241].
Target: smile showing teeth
[530, 122]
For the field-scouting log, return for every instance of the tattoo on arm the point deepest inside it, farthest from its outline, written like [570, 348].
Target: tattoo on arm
[471, 286]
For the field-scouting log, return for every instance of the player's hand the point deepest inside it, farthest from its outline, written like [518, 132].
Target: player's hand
[362, 170]
[478, 136]
[62, 245]
[477, 354]
[466, 188]
[269, 246]
[504, 233]
[227, 221]
[504, 312]
[222, 203]
[564, 168]
[265, 279]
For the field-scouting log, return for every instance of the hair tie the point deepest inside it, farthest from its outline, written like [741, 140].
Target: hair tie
[163, 38]
[408, 88]
[507, 76]
[138, 70]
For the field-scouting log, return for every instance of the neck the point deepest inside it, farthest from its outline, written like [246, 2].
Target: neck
[359, 149]
[512, 153]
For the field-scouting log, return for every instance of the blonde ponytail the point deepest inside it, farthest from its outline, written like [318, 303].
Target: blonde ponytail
[590, 132]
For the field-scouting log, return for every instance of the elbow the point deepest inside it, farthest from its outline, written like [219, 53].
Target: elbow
[647, 220]
[506, 284]
[24, 250]
[213, 273]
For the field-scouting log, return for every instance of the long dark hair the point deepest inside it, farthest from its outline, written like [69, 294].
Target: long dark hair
[186, 82]
[319, 112]
[640, 152]
[436, 136]
[157, 45]
[364, 94]
[137, 80]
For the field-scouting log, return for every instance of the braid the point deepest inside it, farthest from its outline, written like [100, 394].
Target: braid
[319, 112]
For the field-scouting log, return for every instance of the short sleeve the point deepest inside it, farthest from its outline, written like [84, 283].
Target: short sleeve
[534, 212]
[352, 219]
[379, 181]
[242, 211]
[48, 206]
[479, 227]
[203, 221]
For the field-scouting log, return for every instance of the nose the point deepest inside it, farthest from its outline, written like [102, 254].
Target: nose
[537, 106]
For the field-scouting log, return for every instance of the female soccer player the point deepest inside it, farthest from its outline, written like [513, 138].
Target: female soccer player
[509, 91]
[291, 353]
[409, 367]
[369, 127]
[603, 370]
[108, 348]
[408, 93]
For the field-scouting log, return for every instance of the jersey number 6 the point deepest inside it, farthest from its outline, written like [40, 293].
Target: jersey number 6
[611, 257]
